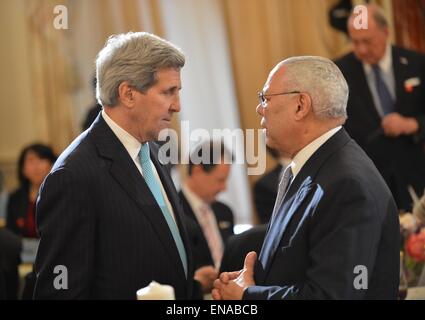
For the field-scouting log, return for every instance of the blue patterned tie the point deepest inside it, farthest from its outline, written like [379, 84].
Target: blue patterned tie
[385, 98]
[153, 184]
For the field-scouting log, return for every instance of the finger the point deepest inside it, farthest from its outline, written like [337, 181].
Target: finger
[224, 277]
[234, 274]
[215, 294]
[249, 263]
[213, 275]
[218, 284]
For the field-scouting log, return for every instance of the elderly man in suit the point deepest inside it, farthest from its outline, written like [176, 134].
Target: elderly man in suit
[386, 105]
[108, 215]
[334, 232]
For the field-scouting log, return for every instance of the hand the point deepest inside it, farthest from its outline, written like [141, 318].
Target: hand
[394, 125]
[206, 276]
[231, 285]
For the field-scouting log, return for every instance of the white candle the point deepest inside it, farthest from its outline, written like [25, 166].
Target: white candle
[156, 291]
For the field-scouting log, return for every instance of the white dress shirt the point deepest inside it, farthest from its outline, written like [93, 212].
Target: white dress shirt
[305, 153]
[132, 145]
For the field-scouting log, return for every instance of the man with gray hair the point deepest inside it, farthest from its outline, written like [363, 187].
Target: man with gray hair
[334, 231]
[386, 107]
[108, 214]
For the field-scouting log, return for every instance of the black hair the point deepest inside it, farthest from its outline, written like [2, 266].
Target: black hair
[218, 153]
[42, 151]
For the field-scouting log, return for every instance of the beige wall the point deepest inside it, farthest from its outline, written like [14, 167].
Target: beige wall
[16, 114]
[46, 73]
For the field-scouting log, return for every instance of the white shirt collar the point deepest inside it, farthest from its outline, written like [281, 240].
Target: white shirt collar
[385, 63]
[284, 162]
[302, 157]
[130, 143]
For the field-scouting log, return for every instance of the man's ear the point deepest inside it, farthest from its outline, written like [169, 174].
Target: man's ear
[386, 32]
[126, 94]
[304, 106]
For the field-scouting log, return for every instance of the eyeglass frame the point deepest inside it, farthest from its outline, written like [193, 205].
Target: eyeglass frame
[262, 96]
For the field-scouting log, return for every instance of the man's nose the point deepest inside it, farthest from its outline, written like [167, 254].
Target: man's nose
[362, 49]
[175, 105]
[224, 187]
[260, 109]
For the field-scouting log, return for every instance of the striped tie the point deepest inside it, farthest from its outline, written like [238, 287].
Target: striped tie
[283, 187]
[269, 240]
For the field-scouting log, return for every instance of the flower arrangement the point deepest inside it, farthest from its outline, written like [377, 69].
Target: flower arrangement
[412, 227]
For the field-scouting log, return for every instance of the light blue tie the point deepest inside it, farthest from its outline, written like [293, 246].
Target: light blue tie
[385, 98]
[153, 184]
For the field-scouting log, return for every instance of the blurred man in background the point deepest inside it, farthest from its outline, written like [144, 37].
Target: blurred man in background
[386, 105]
[212, 221]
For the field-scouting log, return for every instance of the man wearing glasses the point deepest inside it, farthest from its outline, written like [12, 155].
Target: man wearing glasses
[334, 231]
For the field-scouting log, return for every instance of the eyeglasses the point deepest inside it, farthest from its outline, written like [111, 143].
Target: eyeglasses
[262, 97]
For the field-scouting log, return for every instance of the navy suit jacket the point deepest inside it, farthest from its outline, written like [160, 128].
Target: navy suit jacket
[401, 160]
[337, 214]
[238, 246]
[97, 217]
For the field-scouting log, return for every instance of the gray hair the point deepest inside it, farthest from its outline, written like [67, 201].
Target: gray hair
[135, 57]
[379, 16]
[322, 80]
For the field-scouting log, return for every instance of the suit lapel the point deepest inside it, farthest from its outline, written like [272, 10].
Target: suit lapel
[400, 64]
[295, 199]
[360, 81]
[125, 172]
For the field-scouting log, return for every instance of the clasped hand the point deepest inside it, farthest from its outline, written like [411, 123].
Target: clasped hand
[231, 285]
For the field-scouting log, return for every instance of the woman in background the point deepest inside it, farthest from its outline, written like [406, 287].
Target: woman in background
[35, 162]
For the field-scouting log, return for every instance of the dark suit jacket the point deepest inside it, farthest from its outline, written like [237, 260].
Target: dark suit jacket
[238, 246]
[401, 161]
[224, 216]
[265, 193]
[10, 250]
[17, 207]
[97, 217]
[91, 115]
[337, 214]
